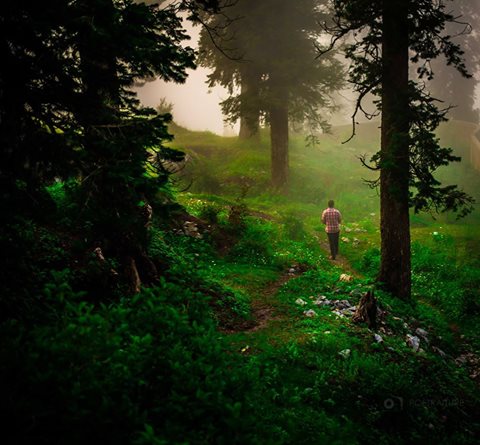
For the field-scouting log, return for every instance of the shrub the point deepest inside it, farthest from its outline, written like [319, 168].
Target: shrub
[256, 244]
[148, 366]
[209, 213]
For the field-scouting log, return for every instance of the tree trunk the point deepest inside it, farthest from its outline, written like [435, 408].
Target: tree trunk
[249, 103]
[279, 140]
[366, 311]
[111, 200]
[395, 268]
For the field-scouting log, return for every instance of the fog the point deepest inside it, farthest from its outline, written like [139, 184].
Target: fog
[197, 107]
[194, 105]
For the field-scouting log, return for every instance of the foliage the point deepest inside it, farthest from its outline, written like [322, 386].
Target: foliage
[124, 370]
[127, 369]
[84, 360]
[452, 286]
[427, 40]
[245, 46]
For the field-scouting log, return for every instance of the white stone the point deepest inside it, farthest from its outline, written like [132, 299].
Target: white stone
[346, 278]
[345, 353]
[378, 338]
[413, 341]
[421, 333]
[310, 313]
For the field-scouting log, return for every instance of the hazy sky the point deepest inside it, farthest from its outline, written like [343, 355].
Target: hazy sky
[193, 106]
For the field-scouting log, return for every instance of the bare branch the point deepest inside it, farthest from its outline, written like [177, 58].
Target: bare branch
[363, 160]
[358, 107]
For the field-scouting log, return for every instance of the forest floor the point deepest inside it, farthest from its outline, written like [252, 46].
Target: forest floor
[411, 379]
[269, 312]
[265, 305]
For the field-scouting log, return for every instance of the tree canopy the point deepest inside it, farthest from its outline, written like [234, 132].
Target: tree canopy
[269, 65]
[68, 112]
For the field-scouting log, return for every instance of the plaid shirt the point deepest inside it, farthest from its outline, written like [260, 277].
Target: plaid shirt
[332, 218]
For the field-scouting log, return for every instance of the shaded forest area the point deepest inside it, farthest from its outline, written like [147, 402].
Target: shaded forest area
[165, 286]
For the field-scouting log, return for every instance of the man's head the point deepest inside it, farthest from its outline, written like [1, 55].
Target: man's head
[331, 204]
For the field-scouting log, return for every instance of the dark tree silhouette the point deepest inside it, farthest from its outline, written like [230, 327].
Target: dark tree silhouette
[67, 111]
[271, 58]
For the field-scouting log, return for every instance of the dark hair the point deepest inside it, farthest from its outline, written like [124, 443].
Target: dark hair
[331, 203]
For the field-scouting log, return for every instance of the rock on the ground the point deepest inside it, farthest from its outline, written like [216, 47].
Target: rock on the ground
[322, 302]
[345, 278]
[345, 239]
[310, 313]
[349, 310]
[190, 228]
[341, 304]
[345, 353]
[300, 302]
[378, 338]
[413, 341]
[422, 333]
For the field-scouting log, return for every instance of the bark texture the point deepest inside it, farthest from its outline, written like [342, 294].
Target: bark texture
[366, 310]
[395, 268]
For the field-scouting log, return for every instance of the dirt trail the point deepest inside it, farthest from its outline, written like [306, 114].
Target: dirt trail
[265, 307]
[340, 260]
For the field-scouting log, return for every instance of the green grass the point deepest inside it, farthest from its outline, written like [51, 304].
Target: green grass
[159, 367]
[382, 393]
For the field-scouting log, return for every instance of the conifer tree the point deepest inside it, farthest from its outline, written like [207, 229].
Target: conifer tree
[67, 111]
[391, 35]
[267, 51]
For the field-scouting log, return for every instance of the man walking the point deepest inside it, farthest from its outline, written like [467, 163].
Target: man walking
[332, 218]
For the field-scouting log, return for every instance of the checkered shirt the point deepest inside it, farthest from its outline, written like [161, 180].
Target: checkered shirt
[331, 218]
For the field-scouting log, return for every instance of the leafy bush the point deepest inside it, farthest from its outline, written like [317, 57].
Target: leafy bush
[371, 261]
[149, 367]
[256, 244]
[209, 213]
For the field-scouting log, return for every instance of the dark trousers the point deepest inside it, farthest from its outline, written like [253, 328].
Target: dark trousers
[333, 241]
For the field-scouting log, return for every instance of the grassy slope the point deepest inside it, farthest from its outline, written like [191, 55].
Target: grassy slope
[328, 398]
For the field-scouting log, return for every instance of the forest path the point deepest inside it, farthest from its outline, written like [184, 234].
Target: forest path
[267, 308]
[340, 260]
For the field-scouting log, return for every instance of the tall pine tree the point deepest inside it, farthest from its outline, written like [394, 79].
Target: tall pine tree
[67, 111]
[391, 35]
[267, 62]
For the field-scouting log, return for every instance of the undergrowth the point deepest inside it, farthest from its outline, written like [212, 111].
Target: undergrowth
[85, 363]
